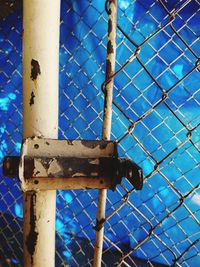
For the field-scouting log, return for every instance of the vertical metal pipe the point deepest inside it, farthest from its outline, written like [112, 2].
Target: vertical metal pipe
[41, 19]
[107, 119]
[110, 69]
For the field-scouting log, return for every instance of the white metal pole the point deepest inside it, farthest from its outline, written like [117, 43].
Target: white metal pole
[41, 19]
[106, 132]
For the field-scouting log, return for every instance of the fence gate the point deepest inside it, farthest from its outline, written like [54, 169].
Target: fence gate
[155, 123]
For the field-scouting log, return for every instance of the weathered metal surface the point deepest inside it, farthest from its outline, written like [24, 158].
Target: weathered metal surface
[67, 184]
[35, 69]
[45, 147]
[127, 168]
[40, 168]
[83, 163]
[110, 69]
[70, 173]
[40, 118]
[34, 204]
[70, 167]
[106, 129]
[31, 239]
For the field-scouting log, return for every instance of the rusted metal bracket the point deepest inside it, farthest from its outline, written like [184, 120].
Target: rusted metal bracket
[47, 164]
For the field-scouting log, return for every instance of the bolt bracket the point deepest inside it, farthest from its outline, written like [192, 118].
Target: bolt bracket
[47, 164]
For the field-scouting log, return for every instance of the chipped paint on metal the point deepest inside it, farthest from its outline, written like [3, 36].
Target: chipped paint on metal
[40, 75]
[31, 239]
[72, 183]
[109, 26]
[39, 169]
[110, 68]
[27, 168]
[89, 144]
[35, 69]
[94, 161]
[55, 169]
[110, 47]
[64, 168]
[65, 164]
[32, 99]
[64, 148]
[107, 119]
[109, 72]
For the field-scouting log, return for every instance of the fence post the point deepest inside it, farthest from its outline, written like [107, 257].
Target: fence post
[41, 20]
[107, 119]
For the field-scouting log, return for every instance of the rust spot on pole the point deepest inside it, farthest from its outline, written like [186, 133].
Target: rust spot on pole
[29, 168]
[110, 48]
[108, 69]
[110, 27]
[32, 99]
[35, 69]
[31, 239]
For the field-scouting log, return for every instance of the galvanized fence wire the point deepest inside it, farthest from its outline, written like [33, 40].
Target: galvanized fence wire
[155, 123]
[156, 229]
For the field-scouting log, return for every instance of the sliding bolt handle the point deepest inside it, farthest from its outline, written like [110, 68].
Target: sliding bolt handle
[130, 170]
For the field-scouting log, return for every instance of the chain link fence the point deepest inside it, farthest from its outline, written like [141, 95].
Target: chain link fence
[155, 122]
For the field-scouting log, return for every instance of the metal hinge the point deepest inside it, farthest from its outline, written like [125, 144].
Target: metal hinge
[47, 164]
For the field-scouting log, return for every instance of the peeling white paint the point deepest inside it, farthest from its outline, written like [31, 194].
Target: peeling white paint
[40, 43]
[95, 161]
[39, 169]
[54, 168]
[63, 148]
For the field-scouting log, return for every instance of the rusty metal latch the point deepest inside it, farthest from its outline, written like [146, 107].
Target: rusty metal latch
[47, 164]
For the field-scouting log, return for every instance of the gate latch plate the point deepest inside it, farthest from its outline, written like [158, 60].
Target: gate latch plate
[48, 164]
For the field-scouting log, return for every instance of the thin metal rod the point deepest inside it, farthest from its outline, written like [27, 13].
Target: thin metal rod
[41, 19]
[106, 132]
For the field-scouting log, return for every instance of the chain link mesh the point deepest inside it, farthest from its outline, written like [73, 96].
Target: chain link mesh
[155, 123]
